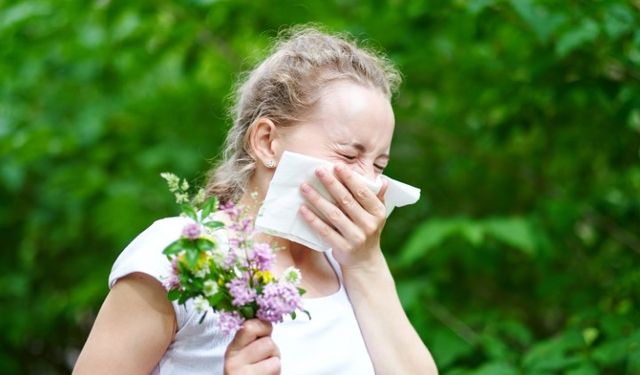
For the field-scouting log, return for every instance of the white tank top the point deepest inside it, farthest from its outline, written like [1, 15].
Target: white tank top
[329, 343]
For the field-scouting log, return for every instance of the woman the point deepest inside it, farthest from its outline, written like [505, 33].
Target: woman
[319, 95]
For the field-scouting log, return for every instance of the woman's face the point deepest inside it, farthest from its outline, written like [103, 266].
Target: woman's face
[351, 123]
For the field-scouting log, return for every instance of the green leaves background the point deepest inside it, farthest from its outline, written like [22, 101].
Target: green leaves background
[520, 120]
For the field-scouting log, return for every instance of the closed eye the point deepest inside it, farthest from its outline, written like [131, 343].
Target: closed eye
[349, 157]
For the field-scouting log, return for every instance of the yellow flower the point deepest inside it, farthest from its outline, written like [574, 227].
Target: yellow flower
[203, 260]
[210, 238]
[264, 276]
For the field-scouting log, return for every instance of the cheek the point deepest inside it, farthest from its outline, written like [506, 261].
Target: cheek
[305, 148]
[306, 143]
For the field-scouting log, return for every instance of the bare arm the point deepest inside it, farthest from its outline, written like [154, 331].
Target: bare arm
[356, 224]
[392, 342]
[133, 329]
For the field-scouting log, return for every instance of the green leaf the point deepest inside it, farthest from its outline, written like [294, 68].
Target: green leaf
[477, 6]
[188, 244]
[216, 298]
[496, 368]
[204, 244]
[209, 206]
[412, 292]
[248, 311]
[612, 352]
[23, 11]
[554, 354]
[515, 231]
[174, 294]
[214, 224]
[587, 31]
[543, 22]
[188, 210]
[174, 248]
[618, 19]
[183, 298]
[448, 347]
[590, 335]
[426, 237]
[584, 369]
[192, 257]
[495, 348]
[472, 232]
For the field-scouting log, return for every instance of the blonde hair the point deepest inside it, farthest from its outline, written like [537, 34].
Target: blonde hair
[284, 86]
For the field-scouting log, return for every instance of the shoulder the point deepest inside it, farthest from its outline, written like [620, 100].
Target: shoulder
[144, 253]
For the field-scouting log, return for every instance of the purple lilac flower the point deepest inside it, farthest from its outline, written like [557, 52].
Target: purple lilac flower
[243, 226]
[241, 292]
[278, 300]
[229, 260]
[229, 322]
[234, 242]
[172, 282]
[232, 258]
[261, 256]
[192, 231]
[230, 209]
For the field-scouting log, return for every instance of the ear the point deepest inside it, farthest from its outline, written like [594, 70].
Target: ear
[263, 141]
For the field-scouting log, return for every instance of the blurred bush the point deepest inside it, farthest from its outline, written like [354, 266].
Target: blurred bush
[519, 119]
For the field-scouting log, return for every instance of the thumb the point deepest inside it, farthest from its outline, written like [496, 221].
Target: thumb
[250, 331]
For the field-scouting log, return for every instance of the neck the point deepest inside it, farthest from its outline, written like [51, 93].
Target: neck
[318, 277]
[288, 253]
[253, 197]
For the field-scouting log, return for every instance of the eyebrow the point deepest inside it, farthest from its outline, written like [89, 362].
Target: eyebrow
[360, 147]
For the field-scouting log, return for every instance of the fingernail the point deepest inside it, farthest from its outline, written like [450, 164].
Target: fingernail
[321, 172]
[305, 187]
[339, 167]
[304, 211]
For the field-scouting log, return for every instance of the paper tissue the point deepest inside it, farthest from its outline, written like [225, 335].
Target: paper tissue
[279, 214]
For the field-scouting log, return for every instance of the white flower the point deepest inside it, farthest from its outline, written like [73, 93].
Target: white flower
[202, 272]
[172, 180]
[219, 255]
[199, 198]
[210, 288]
[292, 275]
[182, 198]
[185, 185]
[201, 304]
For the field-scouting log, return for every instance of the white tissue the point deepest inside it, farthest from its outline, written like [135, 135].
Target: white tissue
[278, 215]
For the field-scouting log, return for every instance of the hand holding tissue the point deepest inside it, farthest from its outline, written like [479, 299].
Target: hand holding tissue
[278, 215]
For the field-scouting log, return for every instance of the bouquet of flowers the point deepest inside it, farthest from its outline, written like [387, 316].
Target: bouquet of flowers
[235, 281]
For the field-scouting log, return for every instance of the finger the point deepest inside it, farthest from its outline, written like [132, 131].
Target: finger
[367, 199]
[332, 214]
[250, 331]
[259, 350]
[327, 233]
[270, 366]
[342, 195]
[383, 190]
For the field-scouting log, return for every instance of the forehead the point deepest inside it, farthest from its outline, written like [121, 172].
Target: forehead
[350, 112]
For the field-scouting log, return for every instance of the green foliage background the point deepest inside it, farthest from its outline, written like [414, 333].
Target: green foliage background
[519, 119]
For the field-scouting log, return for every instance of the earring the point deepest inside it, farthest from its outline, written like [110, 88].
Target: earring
[270, 164]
